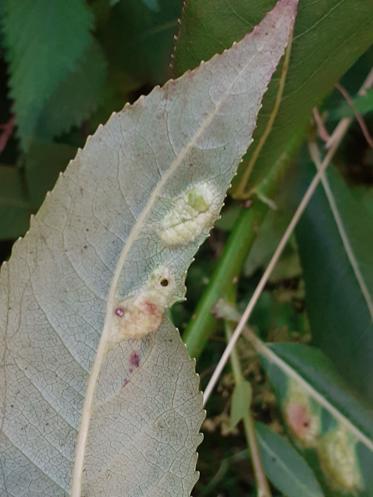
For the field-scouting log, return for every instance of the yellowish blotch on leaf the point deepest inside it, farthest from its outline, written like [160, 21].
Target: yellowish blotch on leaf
[142, 313]
[193, 212]
[339, 460]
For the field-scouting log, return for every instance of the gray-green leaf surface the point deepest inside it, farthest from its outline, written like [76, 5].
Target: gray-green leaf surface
[99, 397]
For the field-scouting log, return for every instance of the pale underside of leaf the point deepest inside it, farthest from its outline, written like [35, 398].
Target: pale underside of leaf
[124, 417]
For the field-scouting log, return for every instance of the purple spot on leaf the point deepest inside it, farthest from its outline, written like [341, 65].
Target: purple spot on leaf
[135, 360]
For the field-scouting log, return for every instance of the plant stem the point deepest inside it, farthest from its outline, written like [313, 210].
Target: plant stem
[240, 241]
[203, 323]
[261, 480]
[344, 123]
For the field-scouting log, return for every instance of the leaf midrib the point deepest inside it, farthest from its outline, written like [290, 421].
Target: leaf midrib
[347, 245]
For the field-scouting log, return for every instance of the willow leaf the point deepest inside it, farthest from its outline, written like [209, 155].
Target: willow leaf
[335, 232]
[326, 420]
[99, 397]
[284, 466]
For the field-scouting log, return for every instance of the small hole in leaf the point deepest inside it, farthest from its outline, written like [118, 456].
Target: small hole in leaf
[164, 282]
[119, 311]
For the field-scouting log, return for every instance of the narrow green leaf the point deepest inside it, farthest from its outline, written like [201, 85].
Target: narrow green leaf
[270, 233]
[339, 292]
[152, 4]
[14, 205]
[43, 40]
[361, 103]
[145, 38]
[329, 36]
[241, 402]
[327, 422]
[318, 372]
[285, 467]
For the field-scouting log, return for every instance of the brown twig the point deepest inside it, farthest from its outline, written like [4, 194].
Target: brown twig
[321, 128]
[345, 122]
[7, 131]
[359, 118]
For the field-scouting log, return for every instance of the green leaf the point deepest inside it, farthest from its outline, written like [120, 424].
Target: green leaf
[323, 416]
[361, 103]
[152, 4]
[98, 395]
[339, 292]
[285, 467]
[241, 402]
[43, 163]
[318, 372]
[76, 97]
[14, 205]
[270, 233]
[364, 195]
[145, 39]
[44, 41]
[329, 36]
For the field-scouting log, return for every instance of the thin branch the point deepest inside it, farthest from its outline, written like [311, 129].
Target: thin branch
[315, 155]
[267, 273]
[358, 116]
[7, 130]
[320, 125]
[261, 480]
[248, 422]
[345, 123]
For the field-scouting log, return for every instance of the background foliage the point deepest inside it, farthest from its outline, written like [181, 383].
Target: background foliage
[66, 66]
